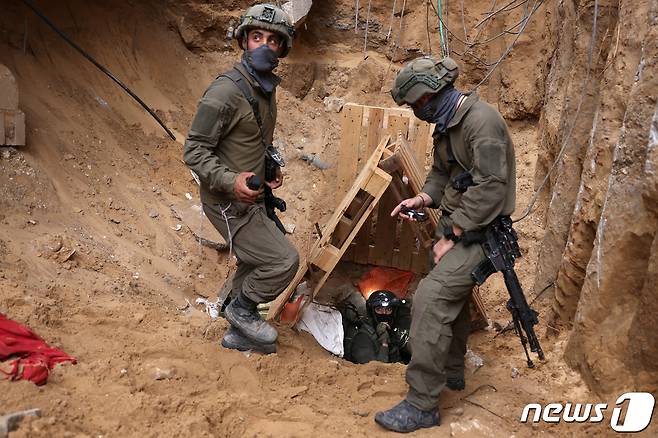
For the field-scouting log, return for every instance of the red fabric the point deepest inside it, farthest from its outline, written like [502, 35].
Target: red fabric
[392, 279]
[35, 357]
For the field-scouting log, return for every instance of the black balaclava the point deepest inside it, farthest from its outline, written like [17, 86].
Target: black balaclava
[260, 62]
[440, 109]
[378, 317]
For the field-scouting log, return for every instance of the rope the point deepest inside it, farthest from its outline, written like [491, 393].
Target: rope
[365, 41]
[30, 5]
[558, 158]
[390, 26]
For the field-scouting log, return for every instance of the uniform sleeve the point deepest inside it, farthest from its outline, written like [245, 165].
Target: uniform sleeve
[436, 181]
[211, 121]
[484, 201]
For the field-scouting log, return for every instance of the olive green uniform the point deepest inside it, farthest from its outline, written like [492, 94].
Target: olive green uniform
[480, 144]
[225, 140]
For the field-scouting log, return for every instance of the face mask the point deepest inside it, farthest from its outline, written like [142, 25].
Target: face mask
[440, 109]
[427, 112]
[263, 59]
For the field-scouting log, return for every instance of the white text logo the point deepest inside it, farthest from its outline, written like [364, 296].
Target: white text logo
[632, 412]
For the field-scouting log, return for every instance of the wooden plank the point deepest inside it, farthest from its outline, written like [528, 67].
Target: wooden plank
[327, 258]
[385, 231]
[369, 171]
[277, 305]
[375, 124]
[397, 125]
[407, 233]
[349, 143]
[384, 180]
[422, 144]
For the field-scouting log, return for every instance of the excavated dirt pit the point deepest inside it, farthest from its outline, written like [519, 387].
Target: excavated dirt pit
[98, 176]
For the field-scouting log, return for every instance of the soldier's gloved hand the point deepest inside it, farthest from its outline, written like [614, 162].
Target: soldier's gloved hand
[382, 329]
[242, 192]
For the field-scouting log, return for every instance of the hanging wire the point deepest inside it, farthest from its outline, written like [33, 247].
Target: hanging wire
[102, 68]
[536, 6]
[427, 26]
[365, 39]
[441, 36]
[404, 5]
[356, 17]
[390, 26]
[558, 158]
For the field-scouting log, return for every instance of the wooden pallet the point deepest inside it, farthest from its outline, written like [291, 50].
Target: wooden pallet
[337, 235]
[383, 240]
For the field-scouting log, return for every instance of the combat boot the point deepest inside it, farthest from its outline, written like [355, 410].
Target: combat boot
[234, 340]
[404, 417]
[456, 383]
[243, 315]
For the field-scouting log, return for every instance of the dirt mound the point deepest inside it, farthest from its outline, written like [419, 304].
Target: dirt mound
[94, 259]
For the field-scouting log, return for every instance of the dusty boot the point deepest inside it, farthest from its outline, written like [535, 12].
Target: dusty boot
[456, 383]
[235, 340]
[405, 417]
[243, 315]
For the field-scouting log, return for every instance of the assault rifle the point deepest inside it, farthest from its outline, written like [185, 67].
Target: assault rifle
[501, 247]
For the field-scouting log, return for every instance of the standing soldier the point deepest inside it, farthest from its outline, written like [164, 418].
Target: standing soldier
[229, 146]
[472, 182]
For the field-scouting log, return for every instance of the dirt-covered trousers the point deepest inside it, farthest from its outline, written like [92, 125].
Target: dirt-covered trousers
[267, 261]
[440, 324]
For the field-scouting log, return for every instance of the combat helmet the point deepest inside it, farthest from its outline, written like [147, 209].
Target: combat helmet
[382, 298]
[268, 17]
[421, 76]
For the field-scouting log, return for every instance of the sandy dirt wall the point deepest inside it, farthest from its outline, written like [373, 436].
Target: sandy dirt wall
[599, 246]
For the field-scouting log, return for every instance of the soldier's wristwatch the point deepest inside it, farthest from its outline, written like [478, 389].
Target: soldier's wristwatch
[450, 235]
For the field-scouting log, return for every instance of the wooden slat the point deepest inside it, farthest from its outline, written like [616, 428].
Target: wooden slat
[359, 251]
[364, 179]
[327, 258]
[349, 144]
[420, 143]
[382, 181]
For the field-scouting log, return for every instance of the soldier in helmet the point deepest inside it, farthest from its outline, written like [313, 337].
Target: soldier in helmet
[472, 182]
[229, 146]
[380, 334]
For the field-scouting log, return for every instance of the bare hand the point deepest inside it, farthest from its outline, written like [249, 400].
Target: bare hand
[278, 180]
[415, 203]
[441, 248]
[242, 192]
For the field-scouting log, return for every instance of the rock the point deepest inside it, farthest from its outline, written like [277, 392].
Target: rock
[164, 373]
[290, 228]
[333, 104]
[458, 411]
[10, 422]
[515, 373]
[7, 153]
[69, 157]
[153, 214]
[360, 413]
[469, 428]
[474, 359]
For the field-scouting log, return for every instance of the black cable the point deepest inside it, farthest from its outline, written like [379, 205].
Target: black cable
[30, 5]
